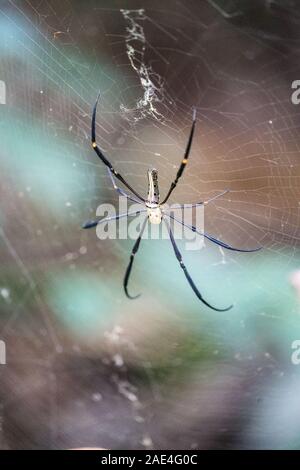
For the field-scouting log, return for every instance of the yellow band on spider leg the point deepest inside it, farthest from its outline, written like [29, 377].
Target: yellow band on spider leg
[94, 144]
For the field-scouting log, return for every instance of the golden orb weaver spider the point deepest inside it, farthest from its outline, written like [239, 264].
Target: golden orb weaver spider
[154, 209]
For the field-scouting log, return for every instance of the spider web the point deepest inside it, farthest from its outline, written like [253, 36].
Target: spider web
[86, 367]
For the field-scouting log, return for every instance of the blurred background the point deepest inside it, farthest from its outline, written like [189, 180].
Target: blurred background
[86, 367]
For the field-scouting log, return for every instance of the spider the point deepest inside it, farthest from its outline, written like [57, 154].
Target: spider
[154, 210]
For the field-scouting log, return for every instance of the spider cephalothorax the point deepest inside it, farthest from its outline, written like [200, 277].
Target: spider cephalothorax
[155, 211]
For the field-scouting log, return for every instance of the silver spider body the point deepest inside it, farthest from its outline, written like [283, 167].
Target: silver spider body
[152, 202]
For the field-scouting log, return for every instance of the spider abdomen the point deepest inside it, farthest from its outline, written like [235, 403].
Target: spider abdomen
[153, 191]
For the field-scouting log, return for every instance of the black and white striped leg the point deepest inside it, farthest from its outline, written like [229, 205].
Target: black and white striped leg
[203, 203]
[121, 191]
[184, 161]
[129, 267]
[213, 239]
[94, 222]
[188, 277]
[103, 157]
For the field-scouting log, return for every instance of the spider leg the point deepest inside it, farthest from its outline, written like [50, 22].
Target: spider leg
[129, 267]
[213, 239]
[94, 222]
[102, 156]
[184, 161]
[204, 203]
[120, 190]
[187, 275]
